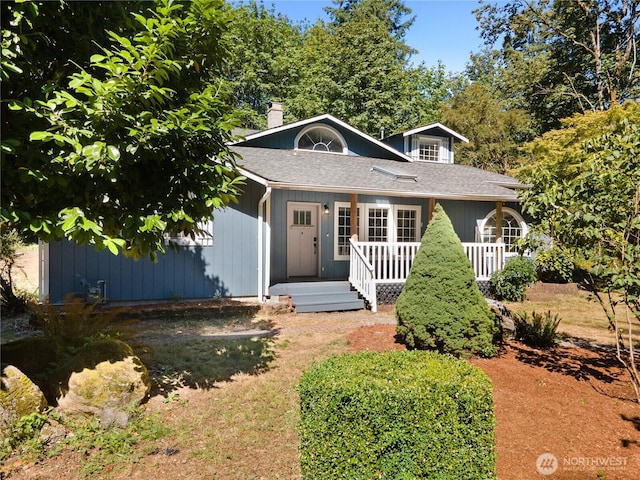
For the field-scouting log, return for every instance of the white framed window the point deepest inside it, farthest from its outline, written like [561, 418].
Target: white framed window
[342, 230]
[321, 138]
[203, 240]
[382, 223]
[513, 227]
[377, 224]
[428, 149]
[407, 224]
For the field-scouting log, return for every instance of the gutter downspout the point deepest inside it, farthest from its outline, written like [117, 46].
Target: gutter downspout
[261, 277]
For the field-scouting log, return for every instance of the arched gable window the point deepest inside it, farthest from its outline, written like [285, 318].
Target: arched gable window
[321, 138]
[513, 227]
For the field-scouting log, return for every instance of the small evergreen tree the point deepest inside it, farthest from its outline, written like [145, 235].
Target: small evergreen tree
[441, 306]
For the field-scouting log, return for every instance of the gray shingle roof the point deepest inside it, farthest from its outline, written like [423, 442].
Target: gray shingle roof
[307, 170]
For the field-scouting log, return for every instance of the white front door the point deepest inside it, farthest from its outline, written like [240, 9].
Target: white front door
[302, 239]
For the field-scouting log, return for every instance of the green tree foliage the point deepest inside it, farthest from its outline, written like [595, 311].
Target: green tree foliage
[372, 83]
[585, 194]
[392, 13]
[356, 67]
[441, 306]
[262, 44]
[42, 43]
[571, 56]
[133, 145]
[494, 129]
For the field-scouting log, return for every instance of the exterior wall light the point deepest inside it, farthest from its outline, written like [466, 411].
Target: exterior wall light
[326, 209]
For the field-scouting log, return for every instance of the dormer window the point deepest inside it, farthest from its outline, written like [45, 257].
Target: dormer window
[428, 149]
[321, 138]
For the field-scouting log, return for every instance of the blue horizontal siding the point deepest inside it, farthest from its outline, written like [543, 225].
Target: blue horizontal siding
[226, 268]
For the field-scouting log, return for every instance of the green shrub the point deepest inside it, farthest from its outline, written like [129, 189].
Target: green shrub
[554, 265]
[396, 415]
[441, 306]
[536, 331]
[512, 281]
[76, 323]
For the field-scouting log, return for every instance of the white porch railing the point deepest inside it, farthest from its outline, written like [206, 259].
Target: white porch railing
[373, 263]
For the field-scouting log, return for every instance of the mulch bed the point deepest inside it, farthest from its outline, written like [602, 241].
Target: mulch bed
[567, 413]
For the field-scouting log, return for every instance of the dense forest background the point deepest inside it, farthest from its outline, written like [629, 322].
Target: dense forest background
[111, 110]
[542, 61]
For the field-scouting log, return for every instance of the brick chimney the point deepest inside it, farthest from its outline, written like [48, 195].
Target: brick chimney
[274, 115]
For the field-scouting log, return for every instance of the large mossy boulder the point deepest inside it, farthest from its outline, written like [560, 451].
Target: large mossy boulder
[441, 306]
[104, 374]
[19, 396]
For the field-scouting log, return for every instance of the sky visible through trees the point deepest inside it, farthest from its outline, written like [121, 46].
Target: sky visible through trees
[443, 30]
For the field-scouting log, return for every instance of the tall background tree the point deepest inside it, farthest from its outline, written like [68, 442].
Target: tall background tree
[259, 69]
[495, 130]
[356, 67]
[584, 53]
[130, 143]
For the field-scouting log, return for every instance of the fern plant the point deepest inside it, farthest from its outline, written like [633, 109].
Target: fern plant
[536, 330]
[74, 323]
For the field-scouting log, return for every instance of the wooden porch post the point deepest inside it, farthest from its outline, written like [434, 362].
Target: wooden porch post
[432, 207]
[498, 222]
[354, 216]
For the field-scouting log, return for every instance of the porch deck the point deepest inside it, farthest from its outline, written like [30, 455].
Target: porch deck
[378, 263]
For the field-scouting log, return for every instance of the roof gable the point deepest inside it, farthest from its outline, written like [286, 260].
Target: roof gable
[282, 137]
[437, 129]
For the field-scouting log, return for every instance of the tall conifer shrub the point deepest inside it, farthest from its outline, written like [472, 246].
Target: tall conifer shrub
[441, 306]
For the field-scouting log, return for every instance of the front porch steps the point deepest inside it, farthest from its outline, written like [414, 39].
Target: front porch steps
[325, 296]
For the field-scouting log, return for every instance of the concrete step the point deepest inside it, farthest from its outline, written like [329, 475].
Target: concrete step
[330, 306]
[343, 296]
[309, 287]
[326, 296]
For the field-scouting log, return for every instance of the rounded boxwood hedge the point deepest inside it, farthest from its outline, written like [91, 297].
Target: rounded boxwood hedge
[397, 415]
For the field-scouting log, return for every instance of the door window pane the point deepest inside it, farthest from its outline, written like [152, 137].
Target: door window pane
[377, 226]
[406, 225]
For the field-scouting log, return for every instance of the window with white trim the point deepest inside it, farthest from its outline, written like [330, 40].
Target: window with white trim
[321, 138]
[205, 239]
[343, 230]
[428, 149]
[382, 223]
[513, 227]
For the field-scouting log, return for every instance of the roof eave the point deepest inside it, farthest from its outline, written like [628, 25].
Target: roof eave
[379, 192]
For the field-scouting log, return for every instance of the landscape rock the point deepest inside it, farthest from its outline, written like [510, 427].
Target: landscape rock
[103, 375]
[110, 417]
[19, 396]
[503, 313]
[53, 432]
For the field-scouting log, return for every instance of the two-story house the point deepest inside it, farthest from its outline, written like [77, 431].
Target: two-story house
[326, 208]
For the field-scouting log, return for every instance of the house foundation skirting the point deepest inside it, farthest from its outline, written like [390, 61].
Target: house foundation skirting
[388, 293]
